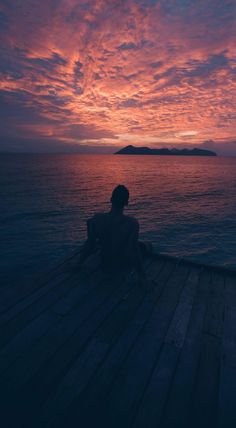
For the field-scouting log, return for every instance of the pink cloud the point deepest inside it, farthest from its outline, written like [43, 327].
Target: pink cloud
[150, 70]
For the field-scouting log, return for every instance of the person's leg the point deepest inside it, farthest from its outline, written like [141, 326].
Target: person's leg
[134, 254]
[146, 248]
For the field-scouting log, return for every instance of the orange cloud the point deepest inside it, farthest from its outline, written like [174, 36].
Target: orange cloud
[115, 72]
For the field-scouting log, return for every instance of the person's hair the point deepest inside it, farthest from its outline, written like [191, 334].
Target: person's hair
[120, 196]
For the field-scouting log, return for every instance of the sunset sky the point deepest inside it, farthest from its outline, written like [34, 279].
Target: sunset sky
[89, 75]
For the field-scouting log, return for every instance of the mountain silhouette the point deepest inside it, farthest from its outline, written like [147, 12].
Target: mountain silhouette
[132, 150]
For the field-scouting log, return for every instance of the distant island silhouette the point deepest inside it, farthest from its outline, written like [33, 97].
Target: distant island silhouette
[132, 150]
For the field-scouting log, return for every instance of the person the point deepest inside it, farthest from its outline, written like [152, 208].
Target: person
[114, 236]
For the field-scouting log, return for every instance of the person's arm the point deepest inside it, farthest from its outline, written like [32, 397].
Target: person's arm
[90, 244]
[135, 250]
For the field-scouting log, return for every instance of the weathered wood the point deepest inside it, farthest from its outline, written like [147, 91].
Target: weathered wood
[90, 349]
[227, 387]
[58, 363]
[11, 295]
[29, 335]
[90, 359]
[22, 373]
[97, 389]
[12, 326]
[77, 292]
[176, 412]
[8, 295]
[26, 301]
[177, 329]
[204, 400]
[24, 341]
[203, 408]
[214, 319]
[27, 365]
[66, 292]
[154, 398]
[62, 274]
[120, 404]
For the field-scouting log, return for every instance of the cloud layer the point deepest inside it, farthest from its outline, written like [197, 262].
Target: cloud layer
[114, 72]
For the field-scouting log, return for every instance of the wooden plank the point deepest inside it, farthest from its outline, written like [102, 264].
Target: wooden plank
[77, 289]
[215, 307]
[88, 361]
[8, 297]
[24, 302]
[203, 409]
[56, 277]
[119, 406]
[177, 404]
[204, 399]
[89, 314]
[12, 327]
[44, 281]
[26, 338]
[227, 388]
[29, 335]
[14, 383]
[12, 295]
[16, 293]
[154, 398]
[177, 329]
[24, 341]
[99, 383]
[60, 300]
[92, 306]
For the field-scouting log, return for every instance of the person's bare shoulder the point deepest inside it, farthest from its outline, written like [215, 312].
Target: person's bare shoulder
[99, 219]
[99, 216]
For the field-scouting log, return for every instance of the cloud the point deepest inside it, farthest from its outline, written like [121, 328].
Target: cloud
[205, 69]
[91, 70]
[130, 102]
[77, 70]
[4, 21]
[127, 46]
[31, 123]
[227, 148]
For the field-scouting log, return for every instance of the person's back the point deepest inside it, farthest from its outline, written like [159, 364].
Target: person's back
[115, 235]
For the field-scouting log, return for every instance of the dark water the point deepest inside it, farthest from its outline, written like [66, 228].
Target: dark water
[185, 205]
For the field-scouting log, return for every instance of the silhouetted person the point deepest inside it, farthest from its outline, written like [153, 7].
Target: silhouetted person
[114, 236]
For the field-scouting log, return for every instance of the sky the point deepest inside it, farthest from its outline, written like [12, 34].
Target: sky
[94, 75]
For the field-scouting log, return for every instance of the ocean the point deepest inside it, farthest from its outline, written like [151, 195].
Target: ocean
[185, 205]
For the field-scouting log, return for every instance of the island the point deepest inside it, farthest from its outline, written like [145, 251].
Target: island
[132, 150]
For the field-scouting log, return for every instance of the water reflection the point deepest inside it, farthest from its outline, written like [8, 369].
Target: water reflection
[185, 205]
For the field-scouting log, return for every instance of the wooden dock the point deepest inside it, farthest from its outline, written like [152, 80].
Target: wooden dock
[93, 350]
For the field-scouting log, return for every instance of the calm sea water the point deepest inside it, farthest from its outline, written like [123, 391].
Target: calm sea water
[185, 205]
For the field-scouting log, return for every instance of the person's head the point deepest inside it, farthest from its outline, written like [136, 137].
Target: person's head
[120, 197]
